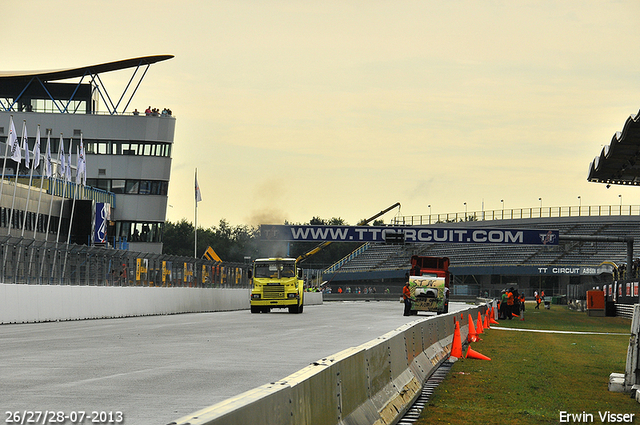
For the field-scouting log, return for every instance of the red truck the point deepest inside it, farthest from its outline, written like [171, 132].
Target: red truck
[429, 280]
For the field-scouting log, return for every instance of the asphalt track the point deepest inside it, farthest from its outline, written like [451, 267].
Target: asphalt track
[158, 368]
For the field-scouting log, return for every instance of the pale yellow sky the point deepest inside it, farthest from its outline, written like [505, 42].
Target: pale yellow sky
[294, 109]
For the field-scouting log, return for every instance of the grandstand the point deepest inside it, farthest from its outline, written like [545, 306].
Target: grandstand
[486, 269]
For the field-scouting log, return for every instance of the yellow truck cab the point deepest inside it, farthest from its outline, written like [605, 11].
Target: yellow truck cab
[277, 283]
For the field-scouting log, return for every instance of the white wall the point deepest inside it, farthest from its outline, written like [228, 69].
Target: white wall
[41, 303]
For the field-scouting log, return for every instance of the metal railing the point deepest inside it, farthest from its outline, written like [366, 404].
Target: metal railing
[519, 213]
[346, 259]
[28, 261]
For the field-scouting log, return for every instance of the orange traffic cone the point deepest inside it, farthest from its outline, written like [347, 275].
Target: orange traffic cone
[491, 318]
[514, 315]
[473, 336]
[479, 329]
[486, 320]
[471, 354]
[456, 347]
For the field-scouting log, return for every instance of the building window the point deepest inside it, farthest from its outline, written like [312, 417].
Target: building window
[139, 231]
[145, 187]
[132, 186]
[117, 186]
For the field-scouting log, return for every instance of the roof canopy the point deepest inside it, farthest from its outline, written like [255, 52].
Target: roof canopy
[19, 89]
[64, 74]
[618, 161]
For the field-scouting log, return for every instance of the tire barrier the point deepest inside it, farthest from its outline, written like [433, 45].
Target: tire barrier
[374, 383]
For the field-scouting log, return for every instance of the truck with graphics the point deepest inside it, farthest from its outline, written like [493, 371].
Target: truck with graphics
[429, 281]
[277, 283]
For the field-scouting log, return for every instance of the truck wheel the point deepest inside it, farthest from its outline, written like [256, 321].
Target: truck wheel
[295, 309]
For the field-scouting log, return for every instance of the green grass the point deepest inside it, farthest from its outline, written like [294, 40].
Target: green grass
[533, 376]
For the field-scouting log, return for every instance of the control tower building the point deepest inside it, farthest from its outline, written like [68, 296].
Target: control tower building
[128, 156]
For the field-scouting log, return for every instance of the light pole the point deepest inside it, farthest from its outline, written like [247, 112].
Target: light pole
[465, 211]
[540, 199]
[620, 196]
[579, 205]
[429, 213]
[502, 202]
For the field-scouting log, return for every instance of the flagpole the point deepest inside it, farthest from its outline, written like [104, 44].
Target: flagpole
[64, 181]
[64, 191]
[16, 155]
[15, 185]
[76, 194]
[26, 207]
[35, 163]
[73, 207]
[41, 164]
[32, 166]
[195, 229]
[49, 173]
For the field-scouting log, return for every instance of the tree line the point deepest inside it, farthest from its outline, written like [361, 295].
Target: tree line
[242, 243]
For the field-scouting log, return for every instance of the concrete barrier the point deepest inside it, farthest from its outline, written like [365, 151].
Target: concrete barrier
[21, 303]
[374, 383]
[313, 298]
[43, 303]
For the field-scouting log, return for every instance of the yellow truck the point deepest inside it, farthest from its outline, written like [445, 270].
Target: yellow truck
[277, 283]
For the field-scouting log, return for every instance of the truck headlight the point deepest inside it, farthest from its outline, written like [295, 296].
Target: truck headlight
[255, 296]
[292, 295]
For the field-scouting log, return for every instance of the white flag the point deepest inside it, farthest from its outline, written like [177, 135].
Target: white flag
[13, 137]
[198, 194]
[16, 153]
[84, 164]
[81, 175]
[47, 161]
[61, 169]
[67, 171]
[36, 150]
[25, 146]
[79, 163]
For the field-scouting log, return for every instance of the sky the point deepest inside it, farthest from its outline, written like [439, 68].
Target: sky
[291, 110]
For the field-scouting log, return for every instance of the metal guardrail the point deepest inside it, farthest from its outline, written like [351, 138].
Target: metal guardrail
[519, 213]
[624, 310]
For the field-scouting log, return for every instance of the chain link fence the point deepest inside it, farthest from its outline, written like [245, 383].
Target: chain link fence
[28, 261]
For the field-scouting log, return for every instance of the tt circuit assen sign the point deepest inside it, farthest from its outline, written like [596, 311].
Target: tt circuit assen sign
[409, 234]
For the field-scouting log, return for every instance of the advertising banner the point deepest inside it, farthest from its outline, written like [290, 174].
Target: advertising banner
[308, 233]
[102, 215]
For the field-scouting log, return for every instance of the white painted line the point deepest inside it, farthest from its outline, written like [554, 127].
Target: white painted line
[558, 332]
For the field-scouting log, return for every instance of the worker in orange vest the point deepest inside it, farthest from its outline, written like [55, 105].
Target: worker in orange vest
[510, 302]
[406, 296]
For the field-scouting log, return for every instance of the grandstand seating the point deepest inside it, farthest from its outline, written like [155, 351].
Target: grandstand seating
[378, 256]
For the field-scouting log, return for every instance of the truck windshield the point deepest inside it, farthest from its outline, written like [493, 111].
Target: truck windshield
[275, 270]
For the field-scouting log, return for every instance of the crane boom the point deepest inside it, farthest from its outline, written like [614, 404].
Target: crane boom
[362, 223]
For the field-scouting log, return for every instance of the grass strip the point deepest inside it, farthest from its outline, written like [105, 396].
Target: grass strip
[532, 377]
